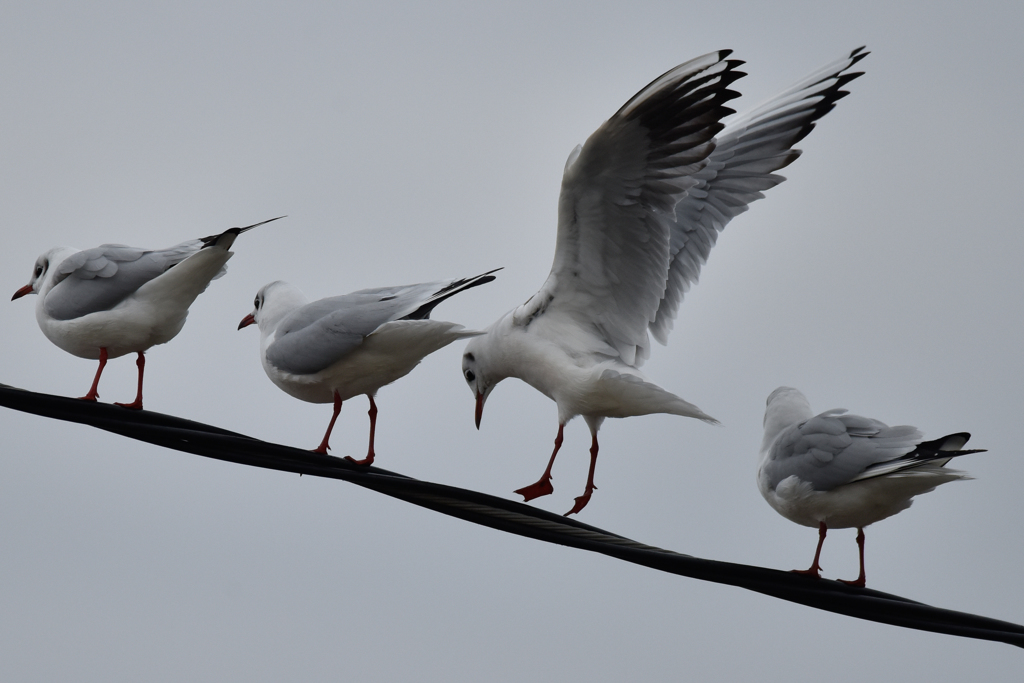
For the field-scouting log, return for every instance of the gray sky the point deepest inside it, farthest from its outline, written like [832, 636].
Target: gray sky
[409, 144]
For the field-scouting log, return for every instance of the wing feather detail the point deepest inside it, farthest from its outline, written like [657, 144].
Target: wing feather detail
[617, 204]
[748, 152]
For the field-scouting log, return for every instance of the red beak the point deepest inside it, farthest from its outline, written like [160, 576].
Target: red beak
[479, 408]
[27, 289]
[246, 321]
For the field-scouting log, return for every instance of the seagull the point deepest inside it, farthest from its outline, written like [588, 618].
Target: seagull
[113, 299]
[840, 471]
[641, 205]
[344, 346]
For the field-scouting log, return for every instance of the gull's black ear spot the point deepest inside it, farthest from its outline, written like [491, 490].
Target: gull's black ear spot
[470, 357]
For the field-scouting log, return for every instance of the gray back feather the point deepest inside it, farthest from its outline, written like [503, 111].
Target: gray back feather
[99, 279]
[833, 448]
[321, 333]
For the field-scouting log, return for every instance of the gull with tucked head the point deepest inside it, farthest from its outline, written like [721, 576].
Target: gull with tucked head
[840, 471]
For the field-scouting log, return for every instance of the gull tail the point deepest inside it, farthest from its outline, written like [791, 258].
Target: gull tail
[639, 397]
[418, 339]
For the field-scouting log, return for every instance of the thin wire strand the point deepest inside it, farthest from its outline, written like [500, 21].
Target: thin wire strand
[510, 516]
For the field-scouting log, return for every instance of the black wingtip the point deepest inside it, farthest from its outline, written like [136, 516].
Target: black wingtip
[948, 446]
[213, 240]
[956, 440]
[423, 312]
[256, 225]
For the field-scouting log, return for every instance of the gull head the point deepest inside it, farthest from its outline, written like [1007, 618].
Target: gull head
[43, 271]
[475, 370]
[272, 303]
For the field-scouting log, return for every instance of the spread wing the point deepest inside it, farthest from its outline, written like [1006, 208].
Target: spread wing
[835, 448]
[99, 279]
[748, 152]
[615, 210]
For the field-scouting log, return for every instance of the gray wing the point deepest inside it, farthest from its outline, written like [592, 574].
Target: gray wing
[615, 207]
[834, 448]
[748, 152]
[323, 332]
[99, 279]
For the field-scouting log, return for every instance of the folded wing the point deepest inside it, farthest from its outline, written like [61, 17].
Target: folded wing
[835, 448]
[99, 279]
[321, 333]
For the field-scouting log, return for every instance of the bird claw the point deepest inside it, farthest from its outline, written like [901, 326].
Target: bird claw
[813, 572]
[540, 488]
[134, 405]
[368, 460]
[89, 397]
[581, 502]
[856, 583]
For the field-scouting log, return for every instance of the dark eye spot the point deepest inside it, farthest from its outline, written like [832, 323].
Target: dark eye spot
[470, 376]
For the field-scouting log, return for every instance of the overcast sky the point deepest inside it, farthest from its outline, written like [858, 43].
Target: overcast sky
[413, 142]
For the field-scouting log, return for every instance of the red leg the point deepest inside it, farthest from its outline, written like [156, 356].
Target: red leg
[368, 460]
[581, 501]
[815, 568]
[859, 581]
[137, 403]
[322, 448]
[542, 486]
[93, 394]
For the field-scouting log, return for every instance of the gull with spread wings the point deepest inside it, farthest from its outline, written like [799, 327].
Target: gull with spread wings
[641, 205]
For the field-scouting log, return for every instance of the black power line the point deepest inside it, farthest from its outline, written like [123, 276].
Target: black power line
[506, 515]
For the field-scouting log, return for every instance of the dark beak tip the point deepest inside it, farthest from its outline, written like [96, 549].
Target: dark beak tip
[479, 409]
[246, 321]
[27, 289]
